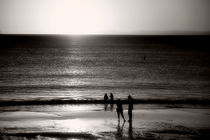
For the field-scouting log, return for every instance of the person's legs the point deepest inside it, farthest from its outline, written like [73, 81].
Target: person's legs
[118, 115]
[130, 115]
[122, 115]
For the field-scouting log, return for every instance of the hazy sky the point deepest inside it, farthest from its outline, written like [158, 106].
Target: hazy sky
[105, 16]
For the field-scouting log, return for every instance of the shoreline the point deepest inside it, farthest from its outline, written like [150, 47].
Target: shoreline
[91, 101]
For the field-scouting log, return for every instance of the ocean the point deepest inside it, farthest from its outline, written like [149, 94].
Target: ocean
[52, 87]
[53, 67]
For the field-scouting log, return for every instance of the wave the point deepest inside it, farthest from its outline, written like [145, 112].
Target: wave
[93, 101]
[120, 86]
[51, 135]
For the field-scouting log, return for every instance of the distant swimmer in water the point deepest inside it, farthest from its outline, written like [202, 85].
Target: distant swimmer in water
[120, 110]
[144, 57]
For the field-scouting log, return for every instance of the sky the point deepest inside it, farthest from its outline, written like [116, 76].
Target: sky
[104, 16]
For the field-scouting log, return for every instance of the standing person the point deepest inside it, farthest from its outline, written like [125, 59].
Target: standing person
[130, 108]
[111, 97]
[106, 98]
[120, 110]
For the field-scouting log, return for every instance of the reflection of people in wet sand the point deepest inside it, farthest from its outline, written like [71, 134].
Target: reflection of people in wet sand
[120, 110]
[120, 129]
[130, 130]
[111, 106]
[130, 108]
[105, 107]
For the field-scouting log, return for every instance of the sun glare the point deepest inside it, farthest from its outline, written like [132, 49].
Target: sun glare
[77, 17]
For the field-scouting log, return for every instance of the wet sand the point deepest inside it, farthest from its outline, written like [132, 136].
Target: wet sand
[100, 122]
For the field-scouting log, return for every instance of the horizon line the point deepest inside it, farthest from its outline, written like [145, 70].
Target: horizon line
[96, 34]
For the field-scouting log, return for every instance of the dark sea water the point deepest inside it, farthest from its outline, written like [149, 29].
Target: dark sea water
[86, 67]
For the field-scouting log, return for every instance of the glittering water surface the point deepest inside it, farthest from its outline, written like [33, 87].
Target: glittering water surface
[84, 67]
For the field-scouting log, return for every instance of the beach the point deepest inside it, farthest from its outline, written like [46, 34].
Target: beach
[104, 70]
[100, 122]
[52, 87]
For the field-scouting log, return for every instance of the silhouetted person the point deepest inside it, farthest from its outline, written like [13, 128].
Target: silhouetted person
[130, 108]
[106, 98]
[120, 110]
[111, 96]
[144, 57]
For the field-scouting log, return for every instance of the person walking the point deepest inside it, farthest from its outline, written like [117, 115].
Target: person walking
[120, 110]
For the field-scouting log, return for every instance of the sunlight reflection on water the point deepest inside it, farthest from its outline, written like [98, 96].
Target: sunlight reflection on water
[85, 125]
[87, 67]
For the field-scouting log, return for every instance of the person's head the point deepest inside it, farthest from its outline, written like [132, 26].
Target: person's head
[129, 97]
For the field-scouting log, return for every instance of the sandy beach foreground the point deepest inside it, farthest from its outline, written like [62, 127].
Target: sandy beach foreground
[100, 122]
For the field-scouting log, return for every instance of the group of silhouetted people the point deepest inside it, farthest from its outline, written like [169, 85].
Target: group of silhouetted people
[119, 104]
[120, 109]
[110, 98]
